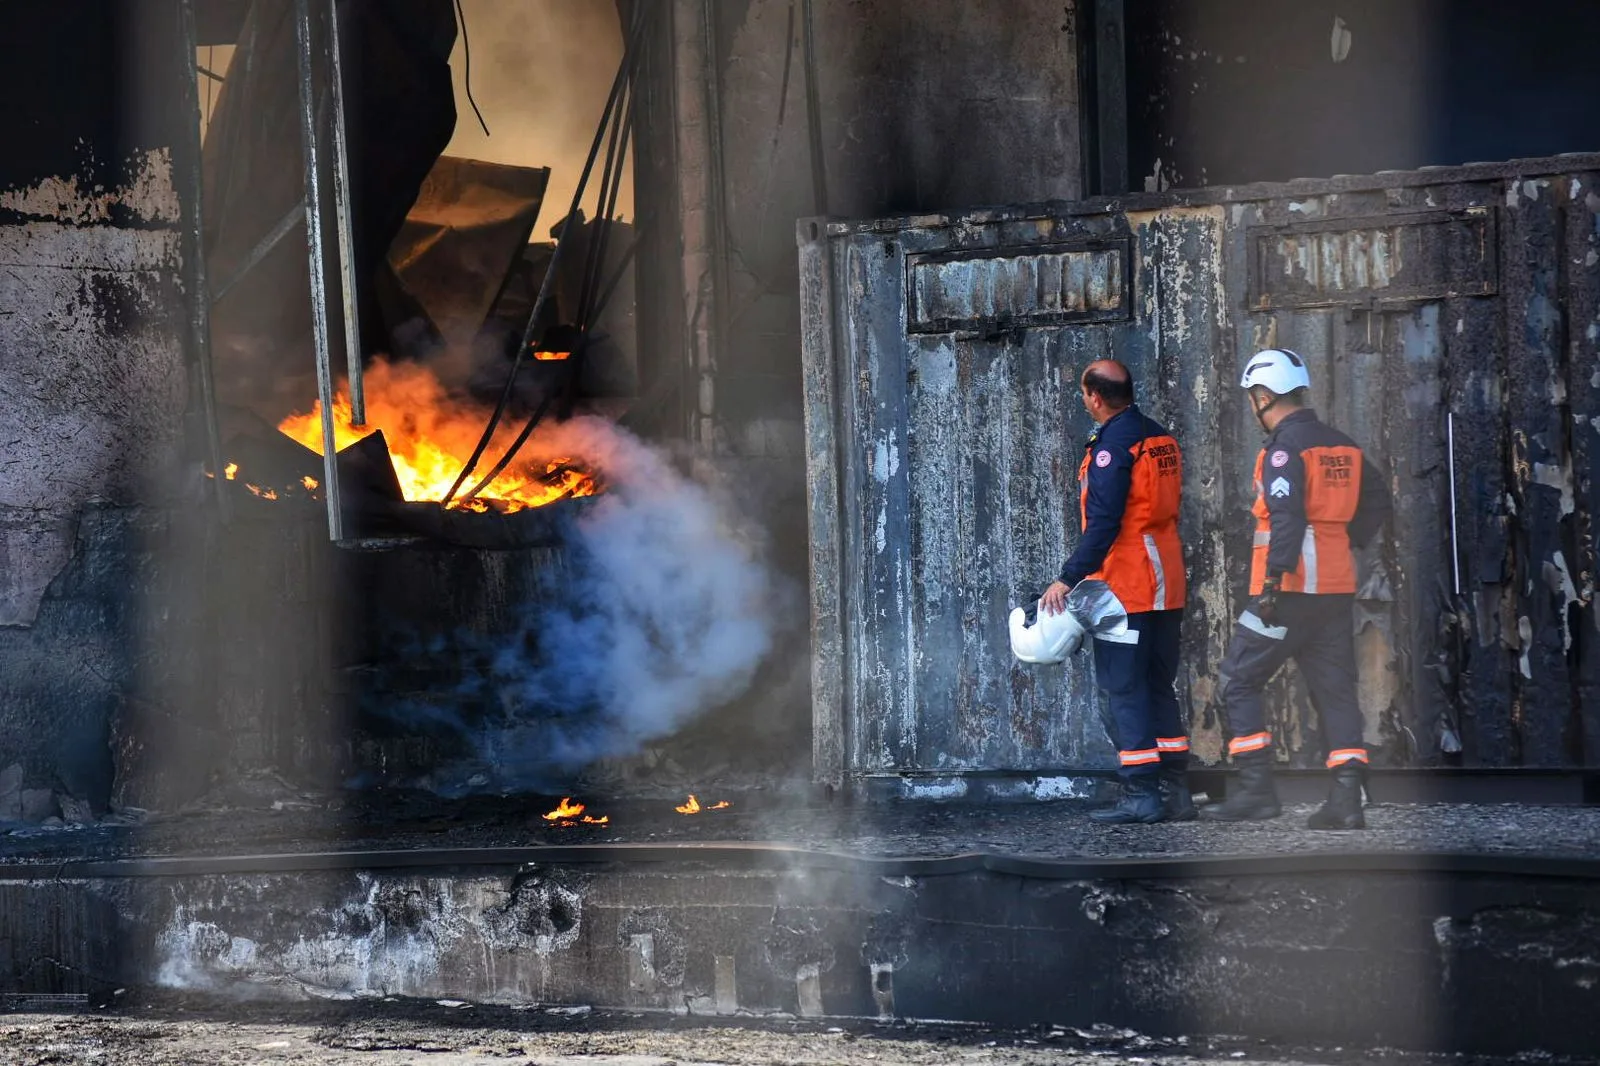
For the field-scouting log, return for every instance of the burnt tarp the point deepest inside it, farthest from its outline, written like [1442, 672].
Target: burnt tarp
[942, 355]
[400, 108]
[462, 237]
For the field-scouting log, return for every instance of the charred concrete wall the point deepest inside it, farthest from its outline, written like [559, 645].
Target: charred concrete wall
[93, 359]
[941, 353]
[780, 110]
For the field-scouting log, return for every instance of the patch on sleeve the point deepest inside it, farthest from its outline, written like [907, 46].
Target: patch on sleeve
[1102, 458]
[1279, 457]
[1279, 487]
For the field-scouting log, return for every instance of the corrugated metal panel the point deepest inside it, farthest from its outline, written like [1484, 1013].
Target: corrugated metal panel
[942, 357]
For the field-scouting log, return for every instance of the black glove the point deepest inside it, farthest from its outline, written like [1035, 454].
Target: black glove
[1266, 602]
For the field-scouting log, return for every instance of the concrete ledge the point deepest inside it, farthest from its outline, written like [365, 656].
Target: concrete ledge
[1447, 952]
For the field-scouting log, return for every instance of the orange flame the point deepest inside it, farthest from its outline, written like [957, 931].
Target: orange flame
[547, 357]
[431, 435]
[604, 819]
[693, 806]
[309, 482]
[565, 809]
[230, 471]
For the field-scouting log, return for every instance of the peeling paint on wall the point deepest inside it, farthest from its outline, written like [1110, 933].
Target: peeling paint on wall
[149, 197]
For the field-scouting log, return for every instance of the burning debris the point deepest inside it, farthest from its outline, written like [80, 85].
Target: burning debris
[693, 806]
[567, 813]
[230, 472]
[431, 435]
[428, 437]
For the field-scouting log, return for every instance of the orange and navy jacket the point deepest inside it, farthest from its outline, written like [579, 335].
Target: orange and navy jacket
[1130, 485]
[1316, 495]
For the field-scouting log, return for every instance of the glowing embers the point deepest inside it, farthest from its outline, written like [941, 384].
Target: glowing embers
[694, 807]
[430, 435]
[306, 486]
[568, 813]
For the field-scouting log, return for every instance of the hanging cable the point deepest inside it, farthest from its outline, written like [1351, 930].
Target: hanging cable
[592, 290]
[624, 69]
[466, 74]
[594, 260]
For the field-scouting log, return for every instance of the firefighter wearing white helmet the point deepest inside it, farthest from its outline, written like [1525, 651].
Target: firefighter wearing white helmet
[1316, 497]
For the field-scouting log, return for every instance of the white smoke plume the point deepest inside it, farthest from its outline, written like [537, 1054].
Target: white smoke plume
[664, 611]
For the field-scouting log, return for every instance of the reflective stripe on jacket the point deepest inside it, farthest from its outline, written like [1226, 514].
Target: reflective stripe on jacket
[1309, 486]
[1130, 486]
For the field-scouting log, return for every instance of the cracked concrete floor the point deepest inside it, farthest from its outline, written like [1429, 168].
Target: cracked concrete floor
[450, 1034]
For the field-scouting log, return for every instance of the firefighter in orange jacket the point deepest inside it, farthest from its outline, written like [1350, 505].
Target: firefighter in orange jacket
[1316, 496]
[1129, 488]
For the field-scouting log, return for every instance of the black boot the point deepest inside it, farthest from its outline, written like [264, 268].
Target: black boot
[1176, 801]
[1343, 807]
[1251, 796]
[1140, 802]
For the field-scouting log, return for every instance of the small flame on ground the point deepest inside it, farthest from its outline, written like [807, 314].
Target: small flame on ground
[565, 809]
[693, 806]
[551, 357]
[230, 471]
[309, 482]
[566, 814]
[265, 494]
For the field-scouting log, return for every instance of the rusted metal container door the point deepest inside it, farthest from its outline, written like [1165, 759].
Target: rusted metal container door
[946, 432]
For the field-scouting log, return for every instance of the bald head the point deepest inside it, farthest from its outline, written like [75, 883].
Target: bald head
[1110, 381]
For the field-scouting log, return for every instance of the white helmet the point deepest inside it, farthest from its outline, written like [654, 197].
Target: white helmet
[1040, 637]
[1050, 638]
[1278, 370]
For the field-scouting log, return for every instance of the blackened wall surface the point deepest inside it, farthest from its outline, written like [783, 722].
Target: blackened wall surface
[898, 106]
[93, 384]
[91, 86]
[944, 435]
[1232, 91]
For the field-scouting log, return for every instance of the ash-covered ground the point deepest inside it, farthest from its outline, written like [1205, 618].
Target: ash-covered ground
[197, 1032]
[283, 820]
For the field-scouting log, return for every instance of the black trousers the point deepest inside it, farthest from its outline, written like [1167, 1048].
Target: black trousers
[1137, 675]
[1316, 632]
